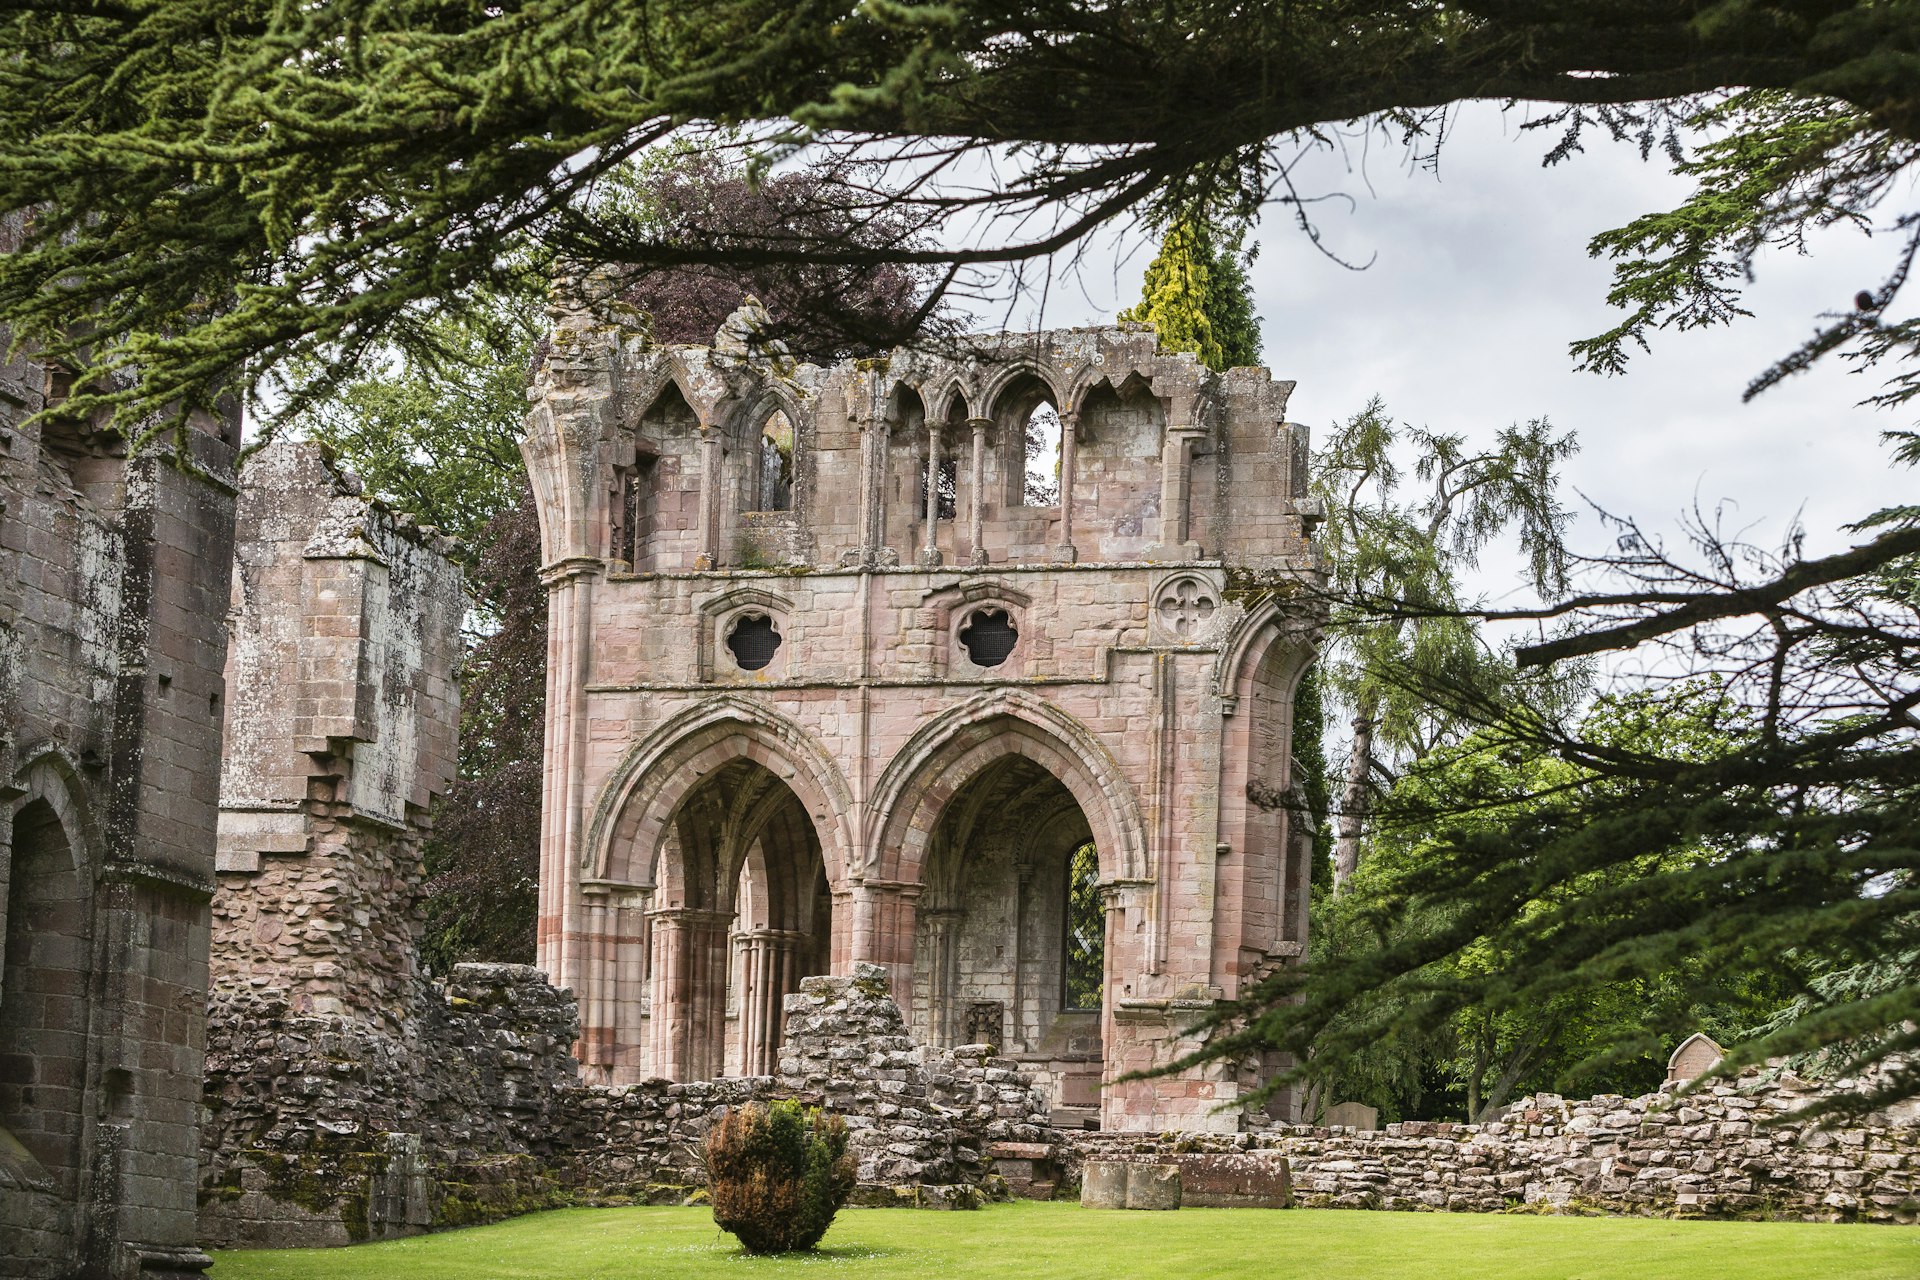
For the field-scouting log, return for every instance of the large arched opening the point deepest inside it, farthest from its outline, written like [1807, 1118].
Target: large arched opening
[43, 994]
[741, 911]
[1011, 936]
[1012, 827]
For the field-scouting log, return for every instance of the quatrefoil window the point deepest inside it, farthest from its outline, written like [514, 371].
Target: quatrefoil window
[753, 641]
[1185, 606]
[989, 637]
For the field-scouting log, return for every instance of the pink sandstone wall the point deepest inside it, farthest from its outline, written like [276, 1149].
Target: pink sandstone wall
[713, 833]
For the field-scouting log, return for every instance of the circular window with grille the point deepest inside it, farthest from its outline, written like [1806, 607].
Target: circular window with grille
[989, 637]
[753, 641]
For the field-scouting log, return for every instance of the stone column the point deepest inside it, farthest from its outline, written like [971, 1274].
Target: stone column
[976, 479]
[1064, 551]
[942, 924]
[559, 929]
[930, 550]
[710, 492]
[770, 975]
[1175, 492]
[883, 931]
[595, 994]
[687, 1039]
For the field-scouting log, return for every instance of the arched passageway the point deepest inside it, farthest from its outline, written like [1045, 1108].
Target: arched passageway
[740, 913]
[1012, 929]
[43, 995]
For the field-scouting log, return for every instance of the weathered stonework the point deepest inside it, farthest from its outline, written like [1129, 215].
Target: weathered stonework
[1730, 1149]
[342, 724]
[773, 749]
[324, 1130]
[113, 577]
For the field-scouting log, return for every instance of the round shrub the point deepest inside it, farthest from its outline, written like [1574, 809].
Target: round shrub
[778, 1174]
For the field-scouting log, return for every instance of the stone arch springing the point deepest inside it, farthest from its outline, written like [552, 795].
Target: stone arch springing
[656, 774]
[923, 775]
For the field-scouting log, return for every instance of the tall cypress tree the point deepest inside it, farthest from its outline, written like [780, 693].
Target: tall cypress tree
[1197, 294]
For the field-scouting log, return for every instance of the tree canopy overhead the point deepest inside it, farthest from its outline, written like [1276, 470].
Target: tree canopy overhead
[219, 185]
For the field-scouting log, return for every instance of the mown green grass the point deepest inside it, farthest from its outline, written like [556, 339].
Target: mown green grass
[1044, 1241]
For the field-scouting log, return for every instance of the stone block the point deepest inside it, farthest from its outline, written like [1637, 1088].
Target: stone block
[1103, 1184]
[1236, 1180]
[1153, 1186]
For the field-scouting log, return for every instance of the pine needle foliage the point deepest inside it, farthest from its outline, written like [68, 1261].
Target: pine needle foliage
[1197, 296]
[232, 190]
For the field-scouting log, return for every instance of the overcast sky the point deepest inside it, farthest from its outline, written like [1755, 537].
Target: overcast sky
[1479, 281]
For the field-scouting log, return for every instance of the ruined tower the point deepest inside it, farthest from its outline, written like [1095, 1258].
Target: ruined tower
[876, 663]
[113, 578]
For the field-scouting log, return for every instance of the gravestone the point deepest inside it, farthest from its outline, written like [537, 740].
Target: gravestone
[1696, 1056]
[1353, 1115]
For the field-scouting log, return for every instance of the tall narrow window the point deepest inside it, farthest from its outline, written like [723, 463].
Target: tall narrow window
[1084, 966]
[949, 488]
[776, 465]
[1042, 483]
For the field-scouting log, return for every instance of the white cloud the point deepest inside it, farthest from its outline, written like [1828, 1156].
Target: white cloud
[1480, 280]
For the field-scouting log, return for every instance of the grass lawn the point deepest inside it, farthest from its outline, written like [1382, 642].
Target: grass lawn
[1044, 1241]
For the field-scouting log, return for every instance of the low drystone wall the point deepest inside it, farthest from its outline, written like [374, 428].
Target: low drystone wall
[1728, 1149]
[322, 1130]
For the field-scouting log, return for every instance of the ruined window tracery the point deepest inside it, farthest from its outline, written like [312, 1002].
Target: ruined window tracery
[773, 490]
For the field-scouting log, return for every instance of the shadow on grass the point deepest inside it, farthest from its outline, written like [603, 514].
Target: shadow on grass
[825, 1256]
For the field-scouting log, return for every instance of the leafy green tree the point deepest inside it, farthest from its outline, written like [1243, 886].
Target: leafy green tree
[1086, 930]
[440, 438]
[1600, 1036]
[1397, 589]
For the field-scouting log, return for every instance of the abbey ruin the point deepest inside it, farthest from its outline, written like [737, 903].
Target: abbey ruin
[917, 745]
[830, 682]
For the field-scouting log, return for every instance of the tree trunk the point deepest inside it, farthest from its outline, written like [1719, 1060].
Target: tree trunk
[1517, 1063]
[1356, 800]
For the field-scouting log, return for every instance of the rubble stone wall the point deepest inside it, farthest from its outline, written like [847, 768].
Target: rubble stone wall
[325, 1130]
[1728, 1149]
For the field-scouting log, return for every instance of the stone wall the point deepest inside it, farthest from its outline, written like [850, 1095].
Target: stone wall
[113, 580]
[1729, 1149]
[341, 727]
[325, 1130]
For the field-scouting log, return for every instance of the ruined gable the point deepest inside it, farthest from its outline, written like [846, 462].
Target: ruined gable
[342, 726]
